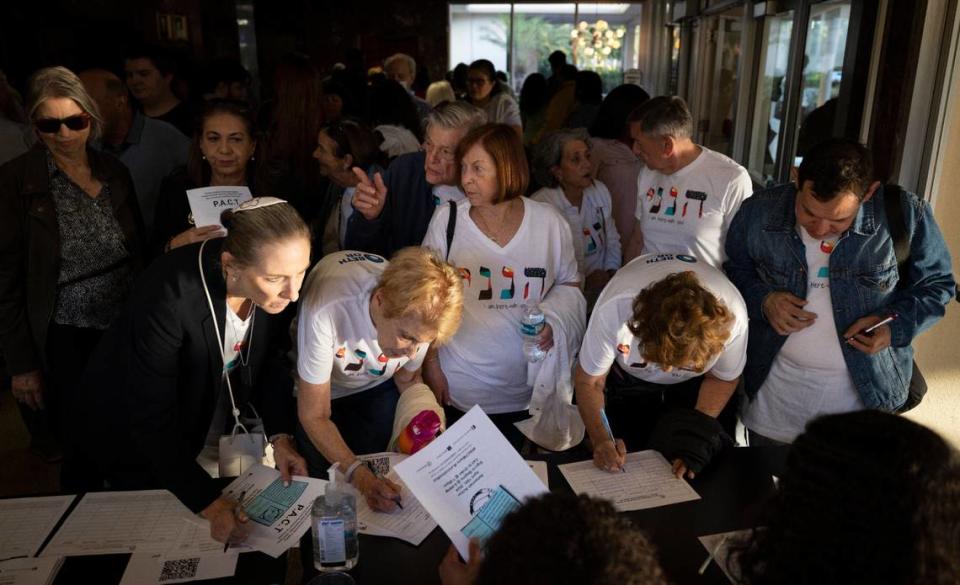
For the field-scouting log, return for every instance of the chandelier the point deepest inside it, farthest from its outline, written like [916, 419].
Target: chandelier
[596, 44]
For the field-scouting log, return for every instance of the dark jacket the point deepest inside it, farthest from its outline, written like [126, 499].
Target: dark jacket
[151, 386]
[406, 212]
[30, 248]
[172, 214]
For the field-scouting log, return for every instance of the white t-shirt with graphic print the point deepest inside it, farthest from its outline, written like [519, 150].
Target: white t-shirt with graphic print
[235, 339]
[808, 377]
[443, 194]
[484, 361]
[336, 338]
[689, 212]
[595, 238]
[608, 338]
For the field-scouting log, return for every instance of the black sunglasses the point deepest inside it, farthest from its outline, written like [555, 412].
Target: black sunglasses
[52, 125]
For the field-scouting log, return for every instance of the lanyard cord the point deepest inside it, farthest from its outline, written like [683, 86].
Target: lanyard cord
[216, 329]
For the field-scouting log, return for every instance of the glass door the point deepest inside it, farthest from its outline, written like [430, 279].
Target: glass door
[719, 78]
[770, 96]
[822, 74]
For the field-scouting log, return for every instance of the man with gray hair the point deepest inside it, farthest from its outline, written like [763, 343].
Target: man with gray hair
[402, 68]
[687, 194]
[151, 148]
[394, 211]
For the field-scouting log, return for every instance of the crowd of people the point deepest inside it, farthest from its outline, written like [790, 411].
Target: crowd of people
[422, 230]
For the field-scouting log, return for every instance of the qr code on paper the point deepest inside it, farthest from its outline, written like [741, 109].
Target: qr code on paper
[179, 569]
[379, 465]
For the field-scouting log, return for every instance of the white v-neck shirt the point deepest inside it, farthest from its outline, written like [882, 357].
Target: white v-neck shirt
[484, 362]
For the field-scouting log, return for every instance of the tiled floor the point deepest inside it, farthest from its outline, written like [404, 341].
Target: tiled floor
[21, 472]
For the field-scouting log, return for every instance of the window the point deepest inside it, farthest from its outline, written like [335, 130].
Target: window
[822, 74]
[518, 38]
[768, 111]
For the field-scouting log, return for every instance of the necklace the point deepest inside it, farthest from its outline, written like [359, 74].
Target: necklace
[485, 228]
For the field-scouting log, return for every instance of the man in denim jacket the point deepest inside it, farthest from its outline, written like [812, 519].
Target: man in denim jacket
[816, 267]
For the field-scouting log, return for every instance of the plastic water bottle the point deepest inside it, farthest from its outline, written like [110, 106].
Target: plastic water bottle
[334, 524]
[531, 324]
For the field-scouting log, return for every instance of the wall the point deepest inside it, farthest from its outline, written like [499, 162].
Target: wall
[325, 29]
[938, 350]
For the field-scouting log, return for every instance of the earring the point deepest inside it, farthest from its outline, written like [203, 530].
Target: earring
[203, 157]
[253, 158]
[234, 278]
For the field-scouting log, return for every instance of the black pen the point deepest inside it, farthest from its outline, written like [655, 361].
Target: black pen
[871, 328]
[226, 545]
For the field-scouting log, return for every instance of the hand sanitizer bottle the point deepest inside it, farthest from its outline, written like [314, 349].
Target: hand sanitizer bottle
[334, 525]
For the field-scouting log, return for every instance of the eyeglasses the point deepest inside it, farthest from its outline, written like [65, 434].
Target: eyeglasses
[52, 125]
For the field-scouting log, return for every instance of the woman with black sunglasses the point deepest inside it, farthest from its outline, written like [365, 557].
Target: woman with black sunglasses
[70, 247]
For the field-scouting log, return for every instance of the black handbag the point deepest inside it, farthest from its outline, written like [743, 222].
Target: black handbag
[892, 195]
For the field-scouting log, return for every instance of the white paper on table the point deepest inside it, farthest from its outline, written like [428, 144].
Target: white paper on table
[648, 482]
[156, 569]
[721, 545]
[195, 540]
[412, 524]
[540, 468]
[280, 515]
[26, 522]
[121, 522]
[31, 571]
[207, 203]
[469, 478]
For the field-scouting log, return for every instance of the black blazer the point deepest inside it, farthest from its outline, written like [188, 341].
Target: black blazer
[30, 248]
[151, 387]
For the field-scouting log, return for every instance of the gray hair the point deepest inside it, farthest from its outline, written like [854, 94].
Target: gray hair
[439, 92]
[411, 63]
[549, 153]
[664, 116]
[60, 82]
[455, 116]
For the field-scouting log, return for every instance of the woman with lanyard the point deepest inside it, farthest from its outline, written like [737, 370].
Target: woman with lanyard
[363, 330]
[187, 365]
[561, 162]
[221, 155]
[510, 251]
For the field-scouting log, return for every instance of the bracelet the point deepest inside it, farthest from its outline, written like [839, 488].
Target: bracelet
[348, 474]
[273, 438]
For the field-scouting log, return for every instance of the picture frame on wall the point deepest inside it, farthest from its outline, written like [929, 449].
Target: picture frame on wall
[172, 27]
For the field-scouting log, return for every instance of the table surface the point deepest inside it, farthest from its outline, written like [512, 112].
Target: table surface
[733, 491]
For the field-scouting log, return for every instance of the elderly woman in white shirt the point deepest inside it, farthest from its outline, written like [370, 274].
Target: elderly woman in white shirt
[561, 162]
[509, 251]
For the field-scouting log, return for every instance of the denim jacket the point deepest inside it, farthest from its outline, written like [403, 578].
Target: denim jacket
[765, 254]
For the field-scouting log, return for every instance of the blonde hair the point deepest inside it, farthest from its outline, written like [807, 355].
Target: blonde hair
[418, 283]
[680, 323]
[439, 92]
[60, 82]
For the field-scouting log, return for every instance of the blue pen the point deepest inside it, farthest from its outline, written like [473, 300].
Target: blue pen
[606, 425]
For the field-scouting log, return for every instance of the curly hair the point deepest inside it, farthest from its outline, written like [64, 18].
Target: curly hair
[562, 538]
[680, 324]
[867, 497]
[418, 282]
